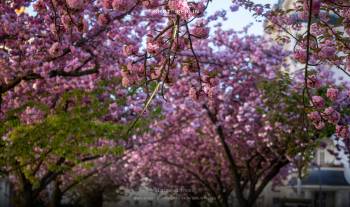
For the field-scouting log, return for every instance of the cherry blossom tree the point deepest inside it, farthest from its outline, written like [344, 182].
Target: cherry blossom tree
[234, 135]
[46, 157]
[219, 91]
[74, 45]
[318, 32]
[35, 154]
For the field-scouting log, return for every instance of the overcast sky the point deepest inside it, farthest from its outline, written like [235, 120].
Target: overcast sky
[236, 20]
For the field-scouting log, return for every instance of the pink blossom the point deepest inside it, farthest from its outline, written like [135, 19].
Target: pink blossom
[314, 116]
[66, 21]
[198, 9]
[103, 19]
[193, 93]
[75, 4]
[319, 125]
[332, 94]
[318, 101]
[327, 52]
[346, 13]
[121, 5]
[342, 131]
[316, 119]
[107, 4]
[180, 7]
[332, 115]
[39, 6]
[200, 32]
[129, 50]
[55, 49]
[152, 46]
[300, 55]
[150, 4]
[186, 69]
[347, 63]
[31, 115]
[125, 81]
[313, 82]
[259, 10]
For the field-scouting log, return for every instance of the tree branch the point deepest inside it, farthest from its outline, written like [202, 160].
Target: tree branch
[233, 166]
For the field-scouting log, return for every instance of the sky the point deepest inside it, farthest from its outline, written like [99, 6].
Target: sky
[238, 20]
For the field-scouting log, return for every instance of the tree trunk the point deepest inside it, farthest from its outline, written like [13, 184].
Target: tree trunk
[93, 199]
[56, 196]
[25, 199]
[26, 196]
[195, 203]
[225, 201]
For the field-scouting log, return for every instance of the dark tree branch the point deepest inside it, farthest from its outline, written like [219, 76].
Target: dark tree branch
[77, 72]
[88, 175]
[274, 170]
[6, 37]
[231, 160]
